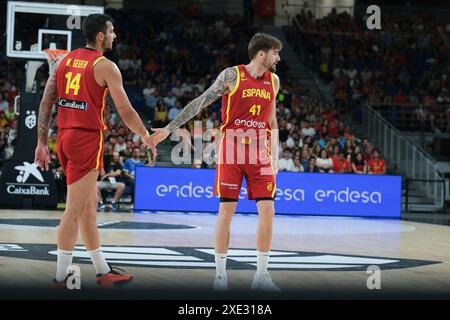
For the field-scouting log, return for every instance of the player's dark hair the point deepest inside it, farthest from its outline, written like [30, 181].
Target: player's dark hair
[262, 42]
[93, 24]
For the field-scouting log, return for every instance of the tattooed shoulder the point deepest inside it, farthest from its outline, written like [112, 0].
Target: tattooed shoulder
[228, 78]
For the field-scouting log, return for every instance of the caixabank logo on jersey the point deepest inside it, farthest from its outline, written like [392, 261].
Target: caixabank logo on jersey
[203, 258]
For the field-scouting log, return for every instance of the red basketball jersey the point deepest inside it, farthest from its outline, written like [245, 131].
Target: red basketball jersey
[81, 100]
[248, 105]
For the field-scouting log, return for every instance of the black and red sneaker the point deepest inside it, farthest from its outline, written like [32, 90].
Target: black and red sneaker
[114, 278]
[61, 284]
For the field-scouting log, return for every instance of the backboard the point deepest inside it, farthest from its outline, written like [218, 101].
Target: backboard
[32, 27]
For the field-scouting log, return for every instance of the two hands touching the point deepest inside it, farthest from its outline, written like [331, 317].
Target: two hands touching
[151, 141]
[42, 154]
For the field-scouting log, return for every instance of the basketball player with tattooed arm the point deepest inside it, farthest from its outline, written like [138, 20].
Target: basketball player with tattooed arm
[248, 128]
[78, 88]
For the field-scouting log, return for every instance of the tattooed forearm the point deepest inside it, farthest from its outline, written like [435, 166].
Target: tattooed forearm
[45, 109]
[222, 85]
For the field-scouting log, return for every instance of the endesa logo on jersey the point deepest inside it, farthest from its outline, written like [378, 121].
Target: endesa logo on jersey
[250, 123]
[185, 189]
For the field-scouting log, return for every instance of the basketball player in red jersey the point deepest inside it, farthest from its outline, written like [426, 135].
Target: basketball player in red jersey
[248, 123]
[78, 88]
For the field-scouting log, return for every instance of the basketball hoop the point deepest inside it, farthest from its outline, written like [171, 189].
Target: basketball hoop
[53, 57]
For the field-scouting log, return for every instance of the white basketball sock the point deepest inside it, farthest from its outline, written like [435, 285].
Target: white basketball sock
[64, 260]
[100, 265]
[262, 262]
[221, 264]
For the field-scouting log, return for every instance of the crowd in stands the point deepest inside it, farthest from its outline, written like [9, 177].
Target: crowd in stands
[313, 138]
[173, 60]
[405, 63]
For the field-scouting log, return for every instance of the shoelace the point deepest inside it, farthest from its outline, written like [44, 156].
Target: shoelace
[113, 270]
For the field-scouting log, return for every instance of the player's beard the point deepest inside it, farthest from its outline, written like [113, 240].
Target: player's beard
[105, 46]
[271, 67]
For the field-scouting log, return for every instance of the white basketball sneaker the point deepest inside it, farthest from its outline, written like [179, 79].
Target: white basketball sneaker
[263, 282]
[220, 283]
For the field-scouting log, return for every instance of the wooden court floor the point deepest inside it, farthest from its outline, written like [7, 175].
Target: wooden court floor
[172, 253]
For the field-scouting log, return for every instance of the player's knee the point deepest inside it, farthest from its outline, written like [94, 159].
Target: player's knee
[225, 216]
[89, 208]
[72, 213]
[121, 186]
[266, 211]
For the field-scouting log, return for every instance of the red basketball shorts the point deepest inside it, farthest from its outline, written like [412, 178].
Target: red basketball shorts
[248, 160]
[79, 151]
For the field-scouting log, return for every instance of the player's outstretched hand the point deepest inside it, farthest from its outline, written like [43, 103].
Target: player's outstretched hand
[149, 144]
[42, 156]
[159, 135]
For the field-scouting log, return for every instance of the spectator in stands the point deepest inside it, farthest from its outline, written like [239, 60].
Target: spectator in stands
[316, 150]
[348, 148]
[341, 164]
[111, 180]
[9, 113]
[3, 102]
[359, 165]
[212, 121]
[333, 129]
[336, 150]
[174, 111]
[286, 163]
[376, 165]
[305, 159]
[367, 152]
[282, 111]
[148, 90]
[176, 90]
[324, 162]
[356, 150]
[160, 118]
[120, 146]
[11, 133]
[151, 103]
[307, 130]
[283, 132]
[308, 141]
[124, 62]
[297, 165]
[130, 165]
[3, 120]
[312, 165]
[187, 87]
[170, 100]
[348, 135]
[294, 141]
